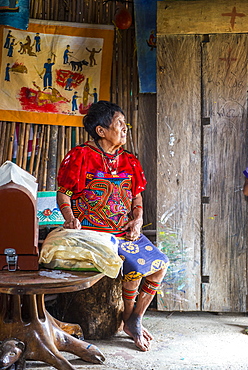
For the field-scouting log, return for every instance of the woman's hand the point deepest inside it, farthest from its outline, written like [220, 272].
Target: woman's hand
[72, 223]
[133, 228]
[64, 204]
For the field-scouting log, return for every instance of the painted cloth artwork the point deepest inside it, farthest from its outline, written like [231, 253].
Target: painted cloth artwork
[54, 71]
[14, 13]
[101, 198]
[145, 22]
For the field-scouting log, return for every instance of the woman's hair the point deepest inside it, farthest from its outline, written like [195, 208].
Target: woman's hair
[100, 114]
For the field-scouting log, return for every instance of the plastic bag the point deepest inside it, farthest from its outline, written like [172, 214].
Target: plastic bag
[83, 250]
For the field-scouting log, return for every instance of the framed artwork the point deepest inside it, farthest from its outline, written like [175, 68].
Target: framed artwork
[52, 72]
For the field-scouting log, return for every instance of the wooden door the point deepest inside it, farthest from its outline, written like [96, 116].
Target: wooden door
[179, 169]
[202, 151]
[224, 221]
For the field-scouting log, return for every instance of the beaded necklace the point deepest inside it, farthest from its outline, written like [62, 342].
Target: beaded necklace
[110, 163]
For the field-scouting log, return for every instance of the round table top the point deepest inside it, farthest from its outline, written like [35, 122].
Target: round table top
[46, 281]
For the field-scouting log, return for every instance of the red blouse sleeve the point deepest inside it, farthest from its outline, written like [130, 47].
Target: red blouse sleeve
[138, 180]
[71, 176]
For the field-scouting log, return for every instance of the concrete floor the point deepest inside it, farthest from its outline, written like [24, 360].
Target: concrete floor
[182, 341]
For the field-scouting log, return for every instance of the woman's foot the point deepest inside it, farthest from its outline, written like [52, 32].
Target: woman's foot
[134, 329]
[146, 334]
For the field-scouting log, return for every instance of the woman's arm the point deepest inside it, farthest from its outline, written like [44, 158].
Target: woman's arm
[245, 187]
[64, 203]
[134, 226]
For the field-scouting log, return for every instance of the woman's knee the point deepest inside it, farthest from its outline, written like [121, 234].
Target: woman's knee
[131, 284]
[158, 275]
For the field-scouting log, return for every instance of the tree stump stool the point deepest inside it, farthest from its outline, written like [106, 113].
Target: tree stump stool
[98, 310]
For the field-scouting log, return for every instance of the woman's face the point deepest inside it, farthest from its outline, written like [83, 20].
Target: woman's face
[116, 133]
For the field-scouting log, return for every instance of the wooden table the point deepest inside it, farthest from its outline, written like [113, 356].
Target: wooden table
[23, 315]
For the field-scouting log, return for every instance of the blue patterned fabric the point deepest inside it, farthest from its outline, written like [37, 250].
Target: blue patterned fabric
[141, 258]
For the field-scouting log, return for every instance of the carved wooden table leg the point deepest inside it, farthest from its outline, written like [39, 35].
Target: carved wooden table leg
[25, 317]
[73, 329]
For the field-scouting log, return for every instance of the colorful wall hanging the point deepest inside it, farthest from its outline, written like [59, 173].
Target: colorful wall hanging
[48, 212]
[14, 13]
[145, 25]
[52, 72]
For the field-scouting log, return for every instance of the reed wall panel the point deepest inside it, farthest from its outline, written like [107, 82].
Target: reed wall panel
[49, 149]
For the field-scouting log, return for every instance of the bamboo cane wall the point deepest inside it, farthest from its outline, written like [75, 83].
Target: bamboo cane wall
[50, 142]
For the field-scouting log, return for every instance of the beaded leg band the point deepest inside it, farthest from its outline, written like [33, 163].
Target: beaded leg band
[129, 294]
[150, 287]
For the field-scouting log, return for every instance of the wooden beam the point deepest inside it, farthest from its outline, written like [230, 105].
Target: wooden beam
[202, 17]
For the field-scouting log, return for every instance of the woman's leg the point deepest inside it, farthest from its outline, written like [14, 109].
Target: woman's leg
[129, 294]
[134, 314]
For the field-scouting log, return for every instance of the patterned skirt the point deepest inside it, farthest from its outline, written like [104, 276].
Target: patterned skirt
[141, 258]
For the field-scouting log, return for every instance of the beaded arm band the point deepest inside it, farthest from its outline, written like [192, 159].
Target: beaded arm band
[137, 206]
[64, 205]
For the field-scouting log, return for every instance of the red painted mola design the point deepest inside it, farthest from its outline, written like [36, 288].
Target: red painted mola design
[41, 101]
[68, 78]
[84, 109]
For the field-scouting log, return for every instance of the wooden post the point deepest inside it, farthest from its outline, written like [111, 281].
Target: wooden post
[40, 145]
[2, 139]
[5, 151]
[135, 131]
[45, 158]
[25, 147]
[52, 158]
[77, 140]
[31, 163]
[22, 129]
[11, 141]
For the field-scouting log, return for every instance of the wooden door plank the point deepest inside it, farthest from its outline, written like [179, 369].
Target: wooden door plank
[225, 156]
[179, 169]
[202, 17]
